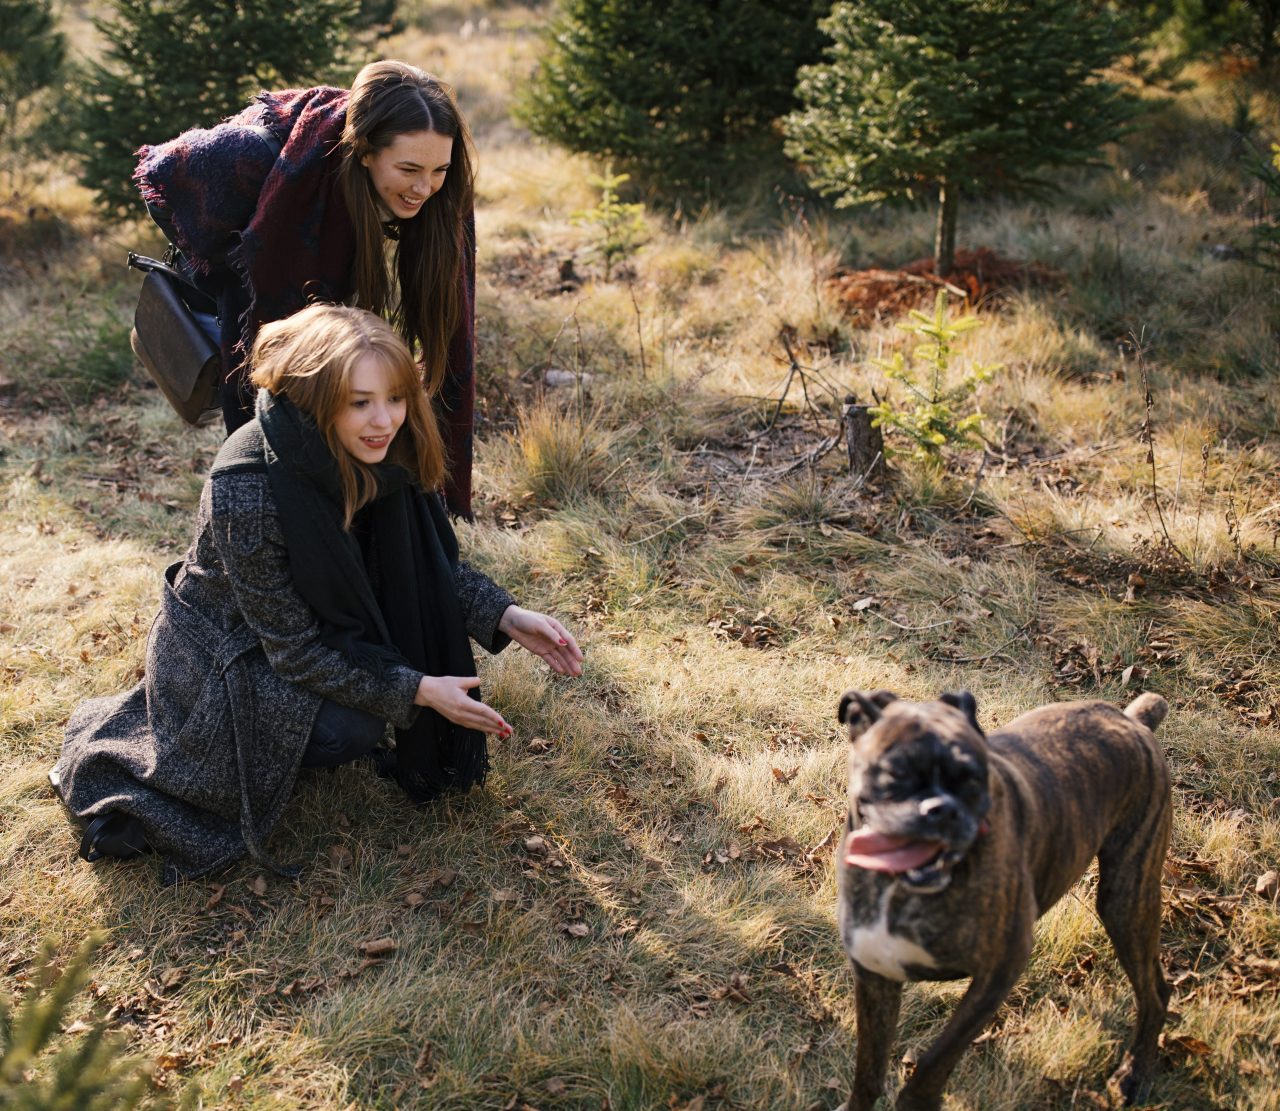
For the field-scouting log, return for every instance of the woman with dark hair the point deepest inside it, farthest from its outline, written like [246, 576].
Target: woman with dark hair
[292, 201]
[321, 599]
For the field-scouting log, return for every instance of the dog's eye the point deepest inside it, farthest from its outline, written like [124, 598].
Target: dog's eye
[896, 785]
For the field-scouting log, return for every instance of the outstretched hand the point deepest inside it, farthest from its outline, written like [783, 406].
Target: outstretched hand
[545, 637]
[447, 695]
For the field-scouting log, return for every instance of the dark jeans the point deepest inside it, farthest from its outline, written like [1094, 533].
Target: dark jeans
[341, 735]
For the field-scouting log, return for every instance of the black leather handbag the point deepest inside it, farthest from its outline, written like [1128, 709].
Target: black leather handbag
[174, 335]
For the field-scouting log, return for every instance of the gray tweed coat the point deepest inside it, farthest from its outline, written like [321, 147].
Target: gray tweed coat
[204, 751]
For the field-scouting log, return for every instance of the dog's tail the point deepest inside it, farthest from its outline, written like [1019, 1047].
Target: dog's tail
[1148, 708]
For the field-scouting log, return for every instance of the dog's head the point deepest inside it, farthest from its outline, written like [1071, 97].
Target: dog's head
[918, 793]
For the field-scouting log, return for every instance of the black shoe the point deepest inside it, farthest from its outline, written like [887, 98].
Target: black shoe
[113, 834]
[384, 761]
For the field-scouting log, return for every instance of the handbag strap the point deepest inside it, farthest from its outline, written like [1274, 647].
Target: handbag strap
[195, 298]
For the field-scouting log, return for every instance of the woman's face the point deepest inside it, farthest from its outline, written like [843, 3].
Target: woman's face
[373, 413]
[406, 172]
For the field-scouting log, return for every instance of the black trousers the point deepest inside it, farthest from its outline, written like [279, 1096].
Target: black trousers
[340, 735]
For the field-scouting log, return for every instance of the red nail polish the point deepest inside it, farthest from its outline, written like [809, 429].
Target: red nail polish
[564, 642]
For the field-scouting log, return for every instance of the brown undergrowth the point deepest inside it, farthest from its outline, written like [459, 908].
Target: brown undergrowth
[979, 277]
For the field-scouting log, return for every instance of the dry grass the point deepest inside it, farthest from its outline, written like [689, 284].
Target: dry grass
[716, 578]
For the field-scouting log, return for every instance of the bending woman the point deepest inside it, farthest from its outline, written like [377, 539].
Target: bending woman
[321, 599]
[292, 201]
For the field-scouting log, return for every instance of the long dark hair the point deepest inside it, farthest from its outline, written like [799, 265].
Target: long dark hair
[390, 99]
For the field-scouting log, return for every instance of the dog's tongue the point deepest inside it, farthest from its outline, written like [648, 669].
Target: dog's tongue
[878, 852]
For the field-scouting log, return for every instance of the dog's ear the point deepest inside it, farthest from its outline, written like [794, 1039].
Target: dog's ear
[861, 709]
[966, 704]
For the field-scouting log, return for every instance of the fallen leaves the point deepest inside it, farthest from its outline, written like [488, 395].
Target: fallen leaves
[1248, 692]
[1184, 1052]
[375, 951]
[735, 990]
[760, 631]
[298, 987]
[732, 851]
[617, 794]
[426, 885]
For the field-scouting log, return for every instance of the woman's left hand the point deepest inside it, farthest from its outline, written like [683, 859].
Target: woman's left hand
[543, 636]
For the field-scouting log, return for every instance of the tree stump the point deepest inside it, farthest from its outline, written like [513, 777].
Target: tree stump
[864, 441]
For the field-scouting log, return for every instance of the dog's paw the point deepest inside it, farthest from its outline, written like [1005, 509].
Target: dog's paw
[1127, 1085]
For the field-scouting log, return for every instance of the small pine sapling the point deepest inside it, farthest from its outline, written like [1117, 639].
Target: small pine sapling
[620, 227]
[934, 416]
[88, 1072]
[1266, 232]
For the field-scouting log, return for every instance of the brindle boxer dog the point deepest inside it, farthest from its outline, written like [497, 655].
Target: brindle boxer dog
[955, 844]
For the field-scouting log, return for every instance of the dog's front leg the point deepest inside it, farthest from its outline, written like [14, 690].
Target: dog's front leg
[923, 1091]
[878, 1001]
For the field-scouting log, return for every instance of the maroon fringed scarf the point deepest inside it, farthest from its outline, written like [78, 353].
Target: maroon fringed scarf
[282, 225]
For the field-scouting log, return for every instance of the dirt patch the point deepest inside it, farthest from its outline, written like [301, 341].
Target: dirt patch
[982, 278]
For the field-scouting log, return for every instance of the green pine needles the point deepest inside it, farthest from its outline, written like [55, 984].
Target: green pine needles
[32, 53]
[935, 415]
[919, 102]
[620, 227]
[1266, 233]
[682, 93]
[86, 1074]
[169, 65]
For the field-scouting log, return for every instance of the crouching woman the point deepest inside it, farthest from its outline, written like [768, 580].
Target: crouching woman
[321, 599]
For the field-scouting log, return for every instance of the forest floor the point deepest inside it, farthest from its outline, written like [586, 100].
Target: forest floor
[638, 911]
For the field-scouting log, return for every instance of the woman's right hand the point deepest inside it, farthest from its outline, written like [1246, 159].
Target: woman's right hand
[447, 695]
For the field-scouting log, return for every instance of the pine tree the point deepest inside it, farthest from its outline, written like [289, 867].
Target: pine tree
[175, 64]
[1247, 27]
[682, 93]
[88, 1072]
[32, 51]
[920, 100]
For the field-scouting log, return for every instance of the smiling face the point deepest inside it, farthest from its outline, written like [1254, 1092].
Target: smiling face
[406, 172]
[373, 413]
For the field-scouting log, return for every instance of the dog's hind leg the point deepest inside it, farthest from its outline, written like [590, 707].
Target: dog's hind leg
[1129, 868]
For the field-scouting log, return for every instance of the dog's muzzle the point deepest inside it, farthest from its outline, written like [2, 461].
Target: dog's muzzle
[923, 864]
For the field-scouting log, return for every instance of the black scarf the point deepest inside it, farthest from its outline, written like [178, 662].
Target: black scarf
[408, 613]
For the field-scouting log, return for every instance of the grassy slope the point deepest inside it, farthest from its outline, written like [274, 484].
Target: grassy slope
[687, 774]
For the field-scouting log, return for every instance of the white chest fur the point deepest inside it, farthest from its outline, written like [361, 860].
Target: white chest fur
[885, 953]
